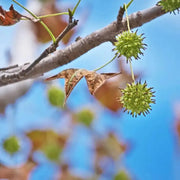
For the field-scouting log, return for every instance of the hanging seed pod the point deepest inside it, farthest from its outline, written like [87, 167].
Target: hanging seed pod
[137, 98]
[129, 44]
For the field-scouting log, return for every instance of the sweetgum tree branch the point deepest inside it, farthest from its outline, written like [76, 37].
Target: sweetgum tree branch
[80, 47]
[51, 48]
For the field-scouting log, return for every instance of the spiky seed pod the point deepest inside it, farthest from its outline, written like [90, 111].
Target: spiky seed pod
[129, 44]
[136, 99]
[170, 5]
[11, 145]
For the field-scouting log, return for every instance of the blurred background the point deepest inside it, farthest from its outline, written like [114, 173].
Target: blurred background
[91, 138]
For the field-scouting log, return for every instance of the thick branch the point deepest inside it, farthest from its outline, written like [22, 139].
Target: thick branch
[79, 47]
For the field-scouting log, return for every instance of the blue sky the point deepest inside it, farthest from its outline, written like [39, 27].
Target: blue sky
[154, 154]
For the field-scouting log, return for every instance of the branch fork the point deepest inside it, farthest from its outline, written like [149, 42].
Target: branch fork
[76, 49]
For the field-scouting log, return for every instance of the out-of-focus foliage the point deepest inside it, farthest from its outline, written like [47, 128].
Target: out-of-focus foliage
[56, 96]
[56, 23]
[40, 138]
[11, 145]
[121, 175]
[52, 151]
[85, 117]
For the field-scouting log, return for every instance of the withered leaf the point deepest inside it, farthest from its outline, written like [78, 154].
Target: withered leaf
[39, 138]
[10, 17]
[111, 147]
[95, 80]
[73, 76]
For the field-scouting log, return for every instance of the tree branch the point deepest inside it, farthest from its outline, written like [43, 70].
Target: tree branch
[80, 47]
[52, 47]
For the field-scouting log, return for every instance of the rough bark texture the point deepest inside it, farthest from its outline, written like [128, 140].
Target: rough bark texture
[80, 47]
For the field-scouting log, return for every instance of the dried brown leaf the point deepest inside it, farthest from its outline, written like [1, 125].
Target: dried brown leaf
[10, 17]
[73, 76]
[95, 80]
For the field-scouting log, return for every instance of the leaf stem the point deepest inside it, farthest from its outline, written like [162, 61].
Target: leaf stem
[129, 29]
[48, 15]
[106, 63]
[51, 15]
[129, 4]
[73, 11]
[36, 17]
[132, 73]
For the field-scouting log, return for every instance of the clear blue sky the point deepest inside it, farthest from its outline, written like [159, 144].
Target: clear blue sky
[153, 155]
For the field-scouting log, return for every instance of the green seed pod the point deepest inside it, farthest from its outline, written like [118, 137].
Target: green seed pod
[56, 96]
[85, 117]
[129, 44]
[136, 99]
[170, 5]
[122, 175]
[52, 151]
[11, 145]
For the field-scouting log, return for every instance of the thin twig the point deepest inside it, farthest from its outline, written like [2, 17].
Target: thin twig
[51, 48]
[9, 67]
[120, 17]
[121, 13]
[66, 30]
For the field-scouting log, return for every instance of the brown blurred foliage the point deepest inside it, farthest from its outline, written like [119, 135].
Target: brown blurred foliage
[20, 173]
[56, 23]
